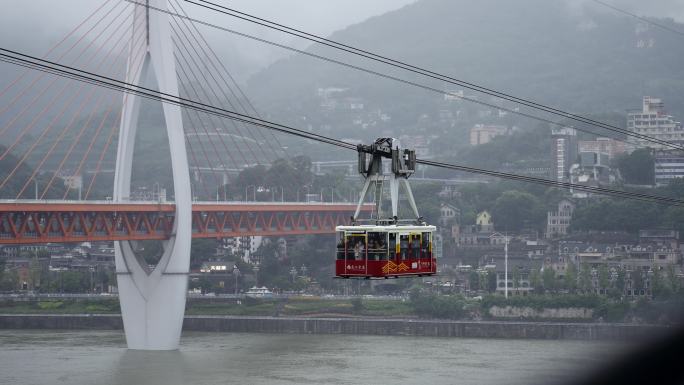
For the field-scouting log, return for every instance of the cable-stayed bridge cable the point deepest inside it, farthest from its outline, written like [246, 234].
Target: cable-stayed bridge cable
[88, 77]
[214, 60]
[212, 85]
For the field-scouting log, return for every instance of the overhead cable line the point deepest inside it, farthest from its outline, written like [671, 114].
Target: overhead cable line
[386, 76]
[641, 18]
[407, 67]
[103, 81]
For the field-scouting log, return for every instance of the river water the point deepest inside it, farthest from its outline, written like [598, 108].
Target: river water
[100, 357]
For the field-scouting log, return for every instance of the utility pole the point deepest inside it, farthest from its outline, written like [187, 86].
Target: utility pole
[506, 267]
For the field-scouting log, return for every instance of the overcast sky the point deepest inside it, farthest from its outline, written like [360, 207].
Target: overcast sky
[34, 25]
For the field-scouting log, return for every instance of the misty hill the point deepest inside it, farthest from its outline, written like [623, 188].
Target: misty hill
[581, 58]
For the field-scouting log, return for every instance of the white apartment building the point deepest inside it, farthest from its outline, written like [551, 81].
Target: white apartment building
[563, 152]
[654, 122]
[558, 222]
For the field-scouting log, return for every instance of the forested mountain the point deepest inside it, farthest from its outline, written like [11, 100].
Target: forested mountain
[586, 59]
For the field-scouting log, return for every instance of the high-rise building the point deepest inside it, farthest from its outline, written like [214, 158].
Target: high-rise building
[654, 122]
[563, 152]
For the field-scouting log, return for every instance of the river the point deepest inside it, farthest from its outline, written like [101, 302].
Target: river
[100, 357]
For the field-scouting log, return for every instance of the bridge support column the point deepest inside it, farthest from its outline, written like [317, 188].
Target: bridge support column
[153, 298]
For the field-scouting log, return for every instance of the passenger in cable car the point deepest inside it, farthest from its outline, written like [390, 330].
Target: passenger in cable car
[376, 248]
[340, 247]
[359, 250]
[415, 247]
[403, 245]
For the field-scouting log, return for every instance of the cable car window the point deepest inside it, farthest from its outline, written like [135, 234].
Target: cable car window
[340, 245]
[356, 247]
[425, 251]
[392, 245]
[377, 246]
[415, 246]
[403, 246]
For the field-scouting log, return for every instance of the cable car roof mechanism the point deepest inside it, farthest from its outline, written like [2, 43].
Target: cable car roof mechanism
[385, 246]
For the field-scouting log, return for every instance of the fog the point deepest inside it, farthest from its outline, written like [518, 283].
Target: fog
[33, 26]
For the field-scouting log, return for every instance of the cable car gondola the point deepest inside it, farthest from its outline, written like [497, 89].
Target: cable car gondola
[385, 247]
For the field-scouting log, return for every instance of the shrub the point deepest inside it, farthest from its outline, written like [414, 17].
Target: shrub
[50, 305]
[612, 312]
[357, 305]
[434, 306]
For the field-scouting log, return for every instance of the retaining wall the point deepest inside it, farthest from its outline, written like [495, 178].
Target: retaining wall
[385, 327]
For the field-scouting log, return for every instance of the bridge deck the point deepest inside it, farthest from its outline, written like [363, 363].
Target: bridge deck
[27, 222]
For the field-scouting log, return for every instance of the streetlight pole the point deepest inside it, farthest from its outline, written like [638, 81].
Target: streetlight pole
[506, 267]
[307, 192]
[236, 274]
[256, 275]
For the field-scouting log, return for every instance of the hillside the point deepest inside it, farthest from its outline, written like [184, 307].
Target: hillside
[584, 59]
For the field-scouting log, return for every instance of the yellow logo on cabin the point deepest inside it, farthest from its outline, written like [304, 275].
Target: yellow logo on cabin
[391, 267]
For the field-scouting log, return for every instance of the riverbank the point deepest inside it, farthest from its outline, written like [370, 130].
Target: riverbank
[354, 326]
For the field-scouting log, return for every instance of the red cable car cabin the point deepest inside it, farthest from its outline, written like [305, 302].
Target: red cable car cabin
[368, 251]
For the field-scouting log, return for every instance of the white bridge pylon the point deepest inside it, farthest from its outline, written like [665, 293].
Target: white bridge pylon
[153, 300]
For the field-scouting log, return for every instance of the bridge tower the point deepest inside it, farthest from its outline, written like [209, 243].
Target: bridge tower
[153, 299]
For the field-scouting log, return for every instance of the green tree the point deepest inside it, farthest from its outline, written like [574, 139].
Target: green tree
[536, 281]
[202, 249]
[585, 278]
[9, 280]
[35, 270]
[637, 167]
[515, 210]
[473, 280]
[249, 179]
[672, 280]
[659, 287]
[620, 282]
[73, 282]
[570, 279]
[603, 277]
[674, 218]
[484, 283]
[549, 279]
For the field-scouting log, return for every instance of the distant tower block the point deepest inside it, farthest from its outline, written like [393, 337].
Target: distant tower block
[153, 300]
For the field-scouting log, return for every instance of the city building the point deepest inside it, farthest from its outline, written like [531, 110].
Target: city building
[484, 221]
[481, 134]
[244, 247]
[669, 164]
[557, 222]
[592, 170]
[447, 214]
[608, 146]
[653, 121]
[519, 269]
[563, 152]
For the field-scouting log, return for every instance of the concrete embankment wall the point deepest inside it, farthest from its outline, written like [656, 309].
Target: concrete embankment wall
[393, 327]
